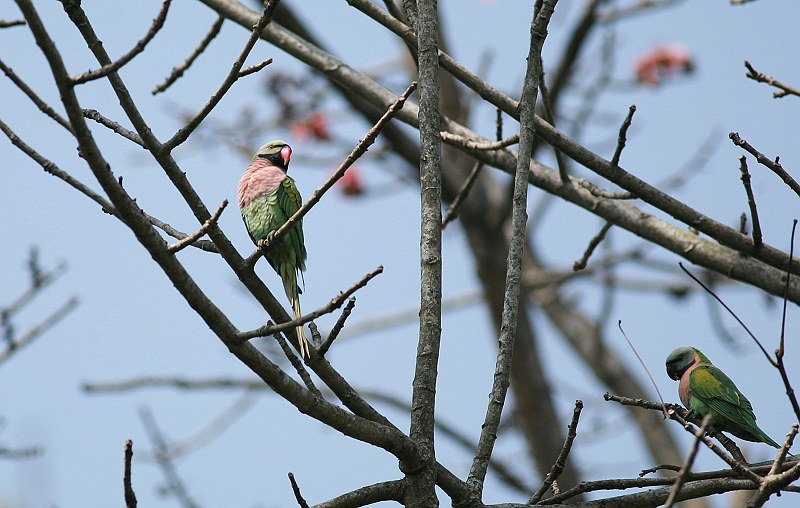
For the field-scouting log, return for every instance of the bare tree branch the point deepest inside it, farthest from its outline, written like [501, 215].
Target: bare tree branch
[130, 495]
[177, 72]
[360, 149]
[775, 165]
[519, 218]
[783, 90]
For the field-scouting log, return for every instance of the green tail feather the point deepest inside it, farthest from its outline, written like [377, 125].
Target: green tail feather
[289, 278]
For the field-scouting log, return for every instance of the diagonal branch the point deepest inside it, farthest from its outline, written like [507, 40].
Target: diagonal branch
[190, 239]
[561, 461]
[774, 165]
[519, 218]
[337, 328]
[687, 465]
[105, 70]
[178, 71]
[334, 304]
[784, 89]
[39, 329]
[360, 149]
[233, 75]
[42, 105]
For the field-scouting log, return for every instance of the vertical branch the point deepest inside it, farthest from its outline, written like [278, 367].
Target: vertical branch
[421, 490]
[751, 201]
[130, 495]
[519, 218]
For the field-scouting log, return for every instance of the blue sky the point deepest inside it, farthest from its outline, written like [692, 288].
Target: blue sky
[131, 322]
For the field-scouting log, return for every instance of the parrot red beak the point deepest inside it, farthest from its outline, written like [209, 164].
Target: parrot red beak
[286, 154]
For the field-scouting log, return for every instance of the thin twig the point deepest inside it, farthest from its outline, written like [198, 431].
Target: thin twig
[39, 281]
[687, 464]
[20, 453]
[334, 304]
[130, 495]
[105, 70]
[593, 243]
[297, 364]
[561, 461]
[42, 105]
[14, 22]
[623, 135]
[602, 193]
[775, 479]
[164, 459]
[775, 165]
[763, 78]
[190, 239]
[550, 117]
[498, 123]
[471, 144]
[519, 216]
[178, 71]
[717, 298]
[206, 245]
[452, 210]
[233, 75]
[781, 351]
[338, 326]
[215, 426]
[39, 329]
[751, 201]
[644, 366]
[297, 495]
[254, 68]
[357, 152]
[114, 126]
[50, 167]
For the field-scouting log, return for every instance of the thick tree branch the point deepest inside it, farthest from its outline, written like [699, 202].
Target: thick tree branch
[422, 477]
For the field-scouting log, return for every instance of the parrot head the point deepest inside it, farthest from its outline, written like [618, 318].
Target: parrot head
[277, 152]
[681, 359]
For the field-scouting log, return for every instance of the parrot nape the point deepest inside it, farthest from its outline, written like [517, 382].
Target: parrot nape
[267, 198]
[704, 389]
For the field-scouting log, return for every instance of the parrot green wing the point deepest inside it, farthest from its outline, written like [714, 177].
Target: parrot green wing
[729, 408]
[289, 201]
[717, 391]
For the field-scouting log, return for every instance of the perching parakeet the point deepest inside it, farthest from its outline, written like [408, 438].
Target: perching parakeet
[704, 389]
[267, 198]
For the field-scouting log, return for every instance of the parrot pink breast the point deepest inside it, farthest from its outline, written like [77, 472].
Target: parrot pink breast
[683, 387]
[260, 177]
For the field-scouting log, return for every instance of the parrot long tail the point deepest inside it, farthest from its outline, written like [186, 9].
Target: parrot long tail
[305, 352]
[289, 277]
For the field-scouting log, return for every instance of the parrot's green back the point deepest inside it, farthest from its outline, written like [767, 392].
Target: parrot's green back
[267, 213]
[713, 393]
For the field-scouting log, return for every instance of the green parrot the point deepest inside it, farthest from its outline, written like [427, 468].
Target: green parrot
[704, 389]
[267, 198]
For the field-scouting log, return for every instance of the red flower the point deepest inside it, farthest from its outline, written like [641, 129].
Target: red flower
[314, 126]
[661, 62]
[351, 184]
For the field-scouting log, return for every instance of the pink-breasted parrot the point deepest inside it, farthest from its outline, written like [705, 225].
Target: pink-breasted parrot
[704, 389]
[267, 198]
